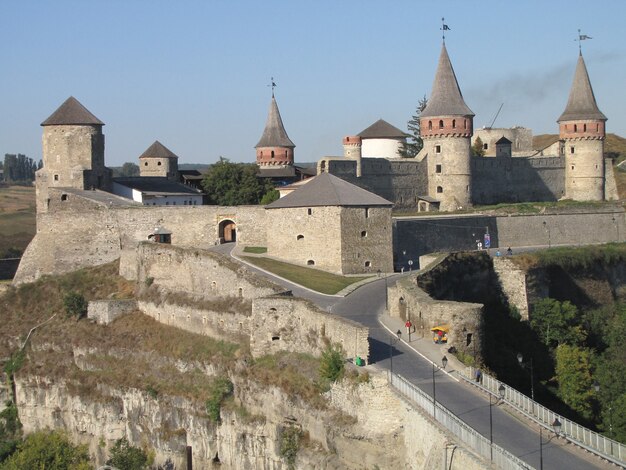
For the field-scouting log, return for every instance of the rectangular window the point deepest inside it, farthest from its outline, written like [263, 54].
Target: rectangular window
[571, 150]
[438, 169]
[367, 212]
[437, 148]
[309, 211]
[56, 177]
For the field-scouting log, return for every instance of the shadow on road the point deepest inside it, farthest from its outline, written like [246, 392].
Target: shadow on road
[380, 351]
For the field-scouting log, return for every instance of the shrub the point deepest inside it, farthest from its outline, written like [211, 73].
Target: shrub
[75, 304]
[331, 364]
[127, 457]
[221, 388]
[290, 444]
[49, 449]
[10, 430]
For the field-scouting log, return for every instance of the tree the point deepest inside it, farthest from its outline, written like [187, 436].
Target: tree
[234, 184]
[573, 373]
[18, 168]
[129, 169]
[331, 364]
[75, 304]
[50, 450]
[414, 142]
[477, 148]
[127, 457]
[270, 196]
[10, 430]
[556, 322]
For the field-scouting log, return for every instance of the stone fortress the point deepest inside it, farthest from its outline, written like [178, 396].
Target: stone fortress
[444, 176]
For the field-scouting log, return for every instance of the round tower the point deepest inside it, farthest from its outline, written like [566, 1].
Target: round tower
[582, 128]
[72, 151]
[446, 126]
[352, 146]
[275, 148]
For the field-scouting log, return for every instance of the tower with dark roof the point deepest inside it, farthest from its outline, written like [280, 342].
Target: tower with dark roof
[158, 160]
[73, 152]
[582, 128]
[275, 148]
[446, 126]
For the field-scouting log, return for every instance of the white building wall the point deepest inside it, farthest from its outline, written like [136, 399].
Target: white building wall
[178, 200]
[123, 191]
[381, 148]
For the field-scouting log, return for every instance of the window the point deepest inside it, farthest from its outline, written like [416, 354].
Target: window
[261, 153]
[363, 233]
[368, 264]
[145, 163]
[437, 168]
[430, 125]
[310, 263]
[572, 167]
[575, 128]
[299, 237]
[440, 123]
[285, 154]
[439, 189]
[56, 177]
[485, 146]
[272, 154]
[63, 197]
[437, 148]
[571, 149]
[240, 292]
[597, 127]
[367, 212]
[158, 163]
[454, 124]
[464, 123]
[309, 211]
[584, 127]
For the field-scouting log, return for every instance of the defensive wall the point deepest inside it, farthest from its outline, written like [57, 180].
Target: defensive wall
[416, 236]
[88, 228]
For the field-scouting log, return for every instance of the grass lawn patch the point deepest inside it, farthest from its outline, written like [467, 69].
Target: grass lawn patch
[320, 281]
[257, 250]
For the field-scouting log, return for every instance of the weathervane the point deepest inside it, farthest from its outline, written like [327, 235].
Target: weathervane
[273, 85]
[444, 28]
[581, 37]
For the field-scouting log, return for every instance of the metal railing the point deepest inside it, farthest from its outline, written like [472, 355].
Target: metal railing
[594, 442]
[465, 433]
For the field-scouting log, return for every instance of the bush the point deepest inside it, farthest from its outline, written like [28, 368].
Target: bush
[75, 305]
[331, 364]
[221, 388]
[127, 457]
[50, 450]
[10, 430]
[290, 444]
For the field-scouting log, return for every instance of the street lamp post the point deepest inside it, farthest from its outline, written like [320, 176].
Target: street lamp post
[556, 426]
[520, 359]
[501, 391]
[444, 363]
[391, 341]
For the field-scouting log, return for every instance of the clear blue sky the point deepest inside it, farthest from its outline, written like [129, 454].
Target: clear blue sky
[195, 74]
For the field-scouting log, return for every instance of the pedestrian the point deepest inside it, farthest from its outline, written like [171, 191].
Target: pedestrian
[439, 336]
[498, 254]
[408, 326]
[509, 251]
[479, 375]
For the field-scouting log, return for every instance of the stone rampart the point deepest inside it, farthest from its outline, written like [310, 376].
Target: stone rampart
[513, 282]
[280, 323]
[104, 312]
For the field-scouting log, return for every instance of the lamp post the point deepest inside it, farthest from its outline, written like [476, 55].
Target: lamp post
[520, 359]
[444, 363]
[501, 391]
[556, 426]
[391, 341]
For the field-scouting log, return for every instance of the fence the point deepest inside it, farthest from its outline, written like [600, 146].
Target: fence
[466, 434]
[598, 444]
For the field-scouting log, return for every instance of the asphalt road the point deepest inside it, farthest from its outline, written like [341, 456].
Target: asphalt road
[367, 303]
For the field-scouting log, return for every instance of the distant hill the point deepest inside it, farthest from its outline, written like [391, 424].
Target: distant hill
[615, 146]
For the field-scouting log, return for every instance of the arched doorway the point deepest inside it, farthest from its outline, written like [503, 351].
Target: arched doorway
[228, 231]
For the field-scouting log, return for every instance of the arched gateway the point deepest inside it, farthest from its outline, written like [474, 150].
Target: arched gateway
[228, 231]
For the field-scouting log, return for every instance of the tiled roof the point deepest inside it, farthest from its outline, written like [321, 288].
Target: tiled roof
[503, 140]
[582, 102]
[329, 190]
[155, 184]
[381, 129]
[446, 98]
[72, 112]
[274, 134]
[158, 150]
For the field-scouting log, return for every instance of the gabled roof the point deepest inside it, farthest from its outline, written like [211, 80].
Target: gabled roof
[158, 150]
[381, 129]
[446, 98]
[274, 134]
[582, 102]
[503, 140]
[328, 190]
[155, 185]
[72, 112]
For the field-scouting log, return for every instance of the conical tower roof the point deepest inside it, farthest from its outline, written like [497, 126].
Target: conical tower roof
[158, 150]
[274, 134]
[72, 112]
[446, 98]
[581, 104]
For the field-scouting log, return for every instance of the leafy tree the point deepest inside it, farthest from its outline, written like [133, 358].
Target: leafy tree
[573, 374]
[414, 142]
[477, 148]
[270, 196]
[331, 364]
[19, 167]
[75, 304]
[234, 184]
[129, 169]
[127, 457]
[50, 450]
[221, 388]
[556, 322]
[10, 430]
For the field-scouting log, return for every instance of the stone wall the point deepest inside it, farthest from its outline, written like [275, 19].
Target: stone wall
[105, 311]
[513, 282]
[292, 324]
[366, 238]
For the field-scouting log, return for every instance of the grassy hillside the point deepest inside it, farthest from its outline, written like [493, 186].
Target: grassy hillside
[17, 219]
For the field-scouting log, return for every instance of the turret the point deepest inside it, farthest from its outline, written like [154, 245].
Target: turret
[582, 128]
[73, 152]
[446, 126]
[274, 148]
[352, 150]
[158, 160]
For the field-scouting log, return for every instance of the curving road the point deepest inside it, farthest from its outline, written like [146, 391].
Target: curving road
[366, 304]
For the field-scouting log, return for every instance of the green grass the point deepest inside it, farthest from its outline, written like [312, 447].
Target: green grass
[255, 249]
[17, 219]
[573, 258]
[320, 281]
